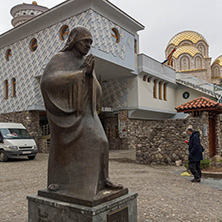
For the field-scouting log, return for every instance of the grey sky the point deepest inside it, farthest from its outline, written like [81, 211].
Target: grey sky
[162, 20]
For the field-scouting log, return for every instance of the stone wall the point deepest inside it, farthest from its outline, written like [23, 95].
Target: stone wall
[110, 125]
[218, 135]
[166, 144]
[162, 141]
[30, 119]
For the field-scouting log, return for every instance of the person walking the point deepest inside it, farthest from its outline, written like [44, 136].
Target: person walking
[195, 154]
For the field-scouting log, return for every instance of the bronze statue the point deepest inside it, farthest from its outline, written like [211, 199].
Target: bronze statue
[78, 159]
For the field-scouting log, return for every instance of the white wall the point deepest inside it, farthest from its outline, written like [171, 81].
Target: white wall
[193, 95]
[146, 99]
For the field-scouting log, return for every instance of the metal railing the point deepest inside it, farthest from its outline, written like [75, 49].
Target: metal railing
[200, 85]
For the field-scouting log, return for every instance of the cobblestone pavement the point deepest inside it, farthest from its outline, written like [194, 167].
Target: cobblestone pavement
[163, 194]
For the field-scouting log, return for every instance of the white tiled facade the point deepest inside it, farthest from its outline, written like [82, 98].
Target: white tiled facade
[27, 66]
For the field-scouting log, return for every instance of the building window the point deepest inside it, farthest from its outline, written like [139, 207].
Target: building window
[13, 87]
[196, 113]
[116, 132]
[108, 132]
[115, 35]
[135, 46]
[148, 79]
[216, 72]
[155, 89]
[33, 44]
[8, 54]
[186, 95]
[160, 90]
[144, 78]
[64, 32]
[165, 91]
[6, 89]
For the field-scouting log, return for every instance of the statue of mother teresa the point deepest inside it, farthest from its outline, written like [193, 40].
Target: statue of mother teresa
[78, 159]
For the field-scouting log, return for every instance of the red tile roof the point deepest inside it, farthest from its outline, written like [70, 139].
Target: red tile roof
[198, 104]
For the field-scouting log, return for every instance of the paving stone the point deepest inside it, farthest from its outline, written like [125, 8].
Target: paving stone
[164, 195]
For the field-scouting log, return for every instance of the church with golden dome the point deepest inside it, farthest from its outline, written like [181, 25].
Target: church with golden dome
[191, 56]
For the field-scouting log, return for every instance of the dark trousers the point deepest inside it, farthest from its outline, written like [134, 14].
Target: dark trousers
[195, 169]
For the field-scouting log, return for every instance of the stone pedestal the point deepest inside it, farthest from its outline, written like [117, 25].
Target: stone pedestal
[121, 209]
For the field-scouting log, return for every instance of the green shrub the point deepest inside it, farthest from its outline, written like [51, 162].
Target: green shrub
[186, 165]
[205, 163]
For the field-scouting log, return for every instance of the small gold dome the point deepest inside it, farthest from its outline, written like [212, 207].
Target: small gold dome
[191, 50]
[193, 36]
[34, 3]
[218, 61]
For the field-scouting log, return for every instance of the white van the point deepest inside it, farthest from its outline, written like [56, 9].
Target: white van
[15, 141]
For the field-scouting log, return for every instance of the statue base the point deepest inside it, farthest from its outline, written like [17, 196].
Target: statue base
[103, 196]
[121, 209]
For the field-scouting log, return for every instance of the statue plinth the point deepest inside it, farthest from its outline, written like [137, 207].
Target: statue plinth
[103, 196]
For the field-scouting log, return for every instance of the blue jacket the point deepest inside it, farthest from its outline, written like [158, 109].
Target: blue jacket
[195, 148]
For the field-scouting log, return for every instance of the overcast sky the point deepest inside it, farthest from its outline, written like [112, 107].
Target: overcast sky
[162, 20]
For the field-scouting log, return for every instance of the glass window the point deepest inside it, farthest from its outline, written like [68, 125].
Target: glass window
[144, 78]
[8, 54]
[13, 87]
[15, 133]
[165, 91]
[135, 46]
[64, 32]
[160, 90]
[154, 88]
[6, 89]
[115, 35]
[33, 44]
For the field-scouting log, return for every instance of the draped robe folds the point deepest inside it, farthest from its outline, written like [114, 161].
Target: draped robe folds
[78, 159]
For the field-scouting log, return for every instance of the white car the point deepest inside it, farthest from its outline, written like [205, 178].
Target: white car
[15, 141]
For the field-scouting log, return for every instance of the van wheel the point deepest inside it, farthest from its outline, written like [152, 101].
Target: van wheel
[31, 157]
[3, 156]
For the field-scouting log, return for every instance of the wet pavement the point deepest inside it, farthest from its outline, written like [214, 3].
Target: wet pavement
[214, 183]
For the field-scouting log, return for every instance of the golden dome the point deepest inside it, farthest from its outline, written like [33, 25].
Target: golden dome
[34, 3]
[218, 61]
[192, 36]
[186, 49]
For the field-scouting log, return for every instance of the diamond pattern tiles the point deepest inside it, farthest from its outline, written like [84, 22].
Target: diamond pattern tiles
[24, 65]
[115, 92]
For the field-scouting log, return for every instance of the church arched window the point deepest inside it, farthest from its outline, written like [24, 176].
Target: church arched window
[184, 63]
[202, 49]
[198, 62]
[216, 72]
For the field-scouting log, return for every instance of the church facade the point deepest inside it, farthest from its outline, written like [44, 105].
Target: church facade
[191, 56]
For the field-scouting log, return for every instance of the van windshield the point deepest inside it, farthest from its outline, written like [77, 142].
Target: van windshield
[15, 133]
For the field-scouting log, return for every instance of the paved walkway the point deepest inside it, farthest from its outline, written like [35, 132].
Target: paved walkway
[164, 196]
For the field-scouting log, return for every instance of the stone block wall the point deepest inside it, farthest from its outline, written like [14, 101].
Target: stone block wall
[30, 119]
[166, 144]
[218, 135]
[161, 141]
[111, 129]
